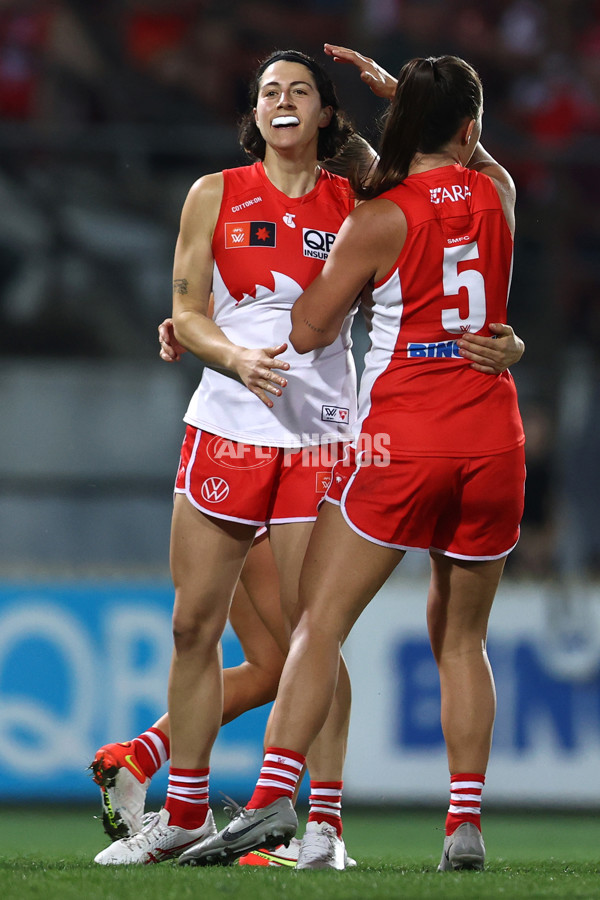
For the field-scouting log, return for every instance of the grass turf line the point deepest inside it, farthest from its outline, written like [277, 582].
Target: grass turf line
[48, 854]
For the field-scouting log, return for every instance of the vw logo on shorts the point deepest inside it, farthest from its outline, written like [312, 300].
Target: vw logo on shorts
[232, 455]
[214, 490]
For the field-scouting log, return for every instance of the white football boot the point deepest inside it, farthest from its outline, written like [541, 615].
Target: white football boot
[123, 788]
[156, 842]
[321, 848]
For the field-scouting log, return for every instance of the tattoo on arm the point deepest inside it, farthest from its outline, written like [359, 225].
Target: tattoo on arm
[180, 286]
[314, 327]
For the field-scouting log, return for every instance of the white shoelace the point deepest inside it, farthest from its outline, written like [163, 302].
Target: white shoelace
[151, 826]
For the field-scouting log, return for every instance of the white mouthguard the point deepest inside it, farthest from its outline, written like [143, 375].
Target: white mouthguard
[285, 120]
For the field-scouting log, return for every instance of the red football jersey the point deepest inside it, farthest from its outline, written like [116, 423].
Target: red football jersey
[267, 248]
[452, 276]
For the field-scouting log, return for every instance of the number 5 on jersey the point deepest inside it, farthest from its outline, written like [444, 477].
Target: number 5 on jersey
[470, 279]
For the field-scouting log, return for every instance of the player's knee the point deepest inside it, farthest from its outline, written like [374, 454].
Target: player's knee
[194, 632]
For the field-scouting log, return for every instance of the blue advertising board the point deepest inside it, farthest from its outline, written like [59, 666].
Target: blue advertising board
[85, 663]
[546, 743]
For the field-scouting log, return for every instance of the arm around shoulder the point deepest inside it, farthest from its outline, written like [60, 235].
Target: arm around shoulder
[482, 161]
[366, 247]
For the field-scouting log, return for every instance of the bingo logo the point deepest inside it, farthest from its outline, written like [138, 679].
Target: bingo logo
[231, 455]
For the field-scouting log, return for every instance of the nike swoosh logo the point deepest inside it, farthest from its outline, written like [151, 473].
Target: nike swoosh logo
[131, 764]
[227, 836]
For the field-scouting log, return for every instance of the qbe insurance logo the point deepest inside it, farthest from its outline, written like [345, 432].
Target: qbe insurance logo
[317, 244]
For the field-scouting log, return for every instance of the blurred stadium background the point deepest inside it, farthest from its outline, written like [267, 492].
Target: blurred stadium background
[108, 112]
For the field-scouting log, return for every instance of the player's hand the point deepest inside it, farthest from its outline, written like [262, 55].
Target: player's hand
[492, 355]
[256, 369]
[381, 82]
[170, 348]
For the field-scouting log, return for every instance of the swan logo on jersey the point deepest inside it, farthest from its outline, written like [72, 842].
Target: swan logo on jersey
[317, 243]
[214, 490]
[334, 414]
[233, 455]
[250, 234]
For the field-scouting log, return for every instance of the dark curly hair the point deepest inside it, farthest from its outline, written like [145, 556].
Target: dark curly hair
[331, 138]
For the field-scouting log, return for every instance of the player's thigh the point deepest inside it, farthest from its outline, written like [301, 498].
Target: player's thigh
[260, 587]
[288, 543]
[304, 476]
[207, 556]
[342, 572]
[260, 647]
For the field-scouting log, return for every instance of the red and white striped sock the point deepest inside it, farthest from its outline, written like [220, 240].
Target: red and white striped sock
[325, 803]
[152, 750]
[278, 777]
[465, 801]
[187, 797]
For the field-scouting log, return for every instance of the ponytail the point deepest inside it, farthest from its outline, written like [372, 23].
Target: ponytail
[432, 98]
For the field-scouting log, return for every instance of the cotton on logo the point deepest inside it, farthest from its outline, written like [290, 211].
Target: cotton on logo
[214, 490]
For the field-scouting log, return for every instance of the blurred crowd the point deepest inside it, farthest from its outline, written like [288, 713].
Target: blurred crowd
[110, 110]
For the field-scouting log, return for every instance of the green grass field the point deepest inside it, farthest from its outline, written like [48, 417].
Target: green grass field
[48, 854]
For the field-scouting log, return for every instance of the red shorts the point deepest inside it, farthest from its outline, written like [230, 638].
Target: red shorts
[468, 508]
[252, 484]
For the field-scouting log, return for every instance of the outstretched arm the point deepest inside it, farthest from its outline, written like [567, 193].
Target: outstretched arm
[381, 82]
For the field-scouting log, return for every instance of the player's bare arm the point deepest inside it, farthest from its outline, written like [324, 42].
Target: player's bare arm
[366, 247]
[170, 348]
[194, 328]
[482, 161]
